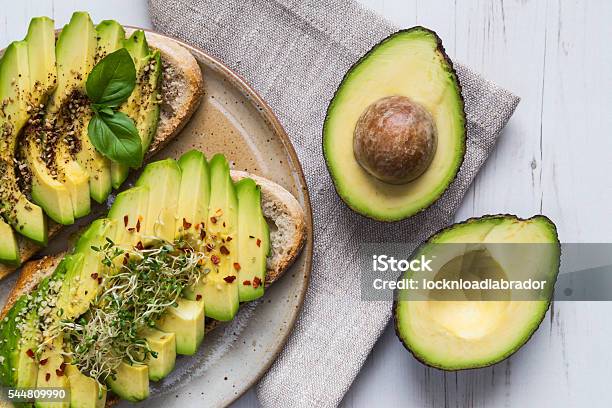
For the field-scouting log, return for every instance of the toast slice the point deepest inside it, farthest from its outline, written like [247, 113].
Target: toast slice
[182, 91]
[287, 236]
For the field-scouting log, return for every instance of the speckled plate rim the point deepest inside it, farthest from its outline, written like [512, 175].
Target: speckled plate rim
[278, 130]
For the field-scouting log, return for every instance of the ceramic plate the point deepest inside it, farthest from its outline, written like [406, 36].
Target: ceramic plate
[233, 120]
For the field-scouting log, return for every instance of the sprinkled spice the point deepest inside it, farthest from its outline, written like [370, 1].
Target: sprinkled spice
[236, 266]
[125, 220]
[247, 283]
[198, 297]
[256, 282]
[224, 250]
[186, 225]
[213, 220]
[43, 361]
[47, 377]
[94, 275]
[30, 353]
[258, 242]
[215, 259]
[229, 279]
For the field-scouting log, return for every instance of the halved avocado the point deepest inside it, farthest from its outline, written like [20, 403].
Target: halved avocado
[462, 329]
[409, 66]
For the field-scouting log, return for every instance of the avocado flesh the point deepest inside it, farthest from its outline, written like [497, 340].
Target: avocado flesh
[47, 192]
[164, 345]
[410, 63]
[253, 241]
[194, 195]
[138, 48]
[457, 333]
[75, 55]
[129, 211]
[9, 249]
[219, 287]
[110, 36]
[18, 369]
[186, 321]
[162, 179]
[85, 392]
[51, 374]
[25, 217]
[131, 382]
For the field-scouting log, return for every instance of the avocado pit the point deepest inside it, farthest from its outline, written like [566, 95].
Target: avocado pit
[395, 139]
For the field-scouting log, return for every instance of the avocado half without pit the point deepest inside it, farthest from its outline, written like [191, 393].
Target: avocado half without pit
[394, 134]
[471, 328]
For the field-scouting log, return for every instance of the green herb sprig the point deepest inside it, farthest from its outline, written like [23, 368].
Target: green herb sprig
[113, 133]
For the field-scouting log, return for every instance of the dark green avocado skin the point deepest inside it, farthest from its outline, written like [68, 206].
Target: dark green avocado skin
[442, 51]
[505, 356]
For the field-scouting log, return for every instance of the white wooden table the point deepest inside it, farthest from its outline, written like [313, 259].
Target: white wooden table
[554, 157]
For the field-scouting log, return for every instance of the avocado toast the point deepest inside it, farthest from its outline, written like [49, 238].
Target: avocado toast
[148, 283]
[45, 111]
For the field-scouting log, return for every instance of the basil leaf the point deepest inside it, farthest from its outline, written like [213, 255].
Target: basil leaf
[112, 80]
[117, 138]
[102, 109]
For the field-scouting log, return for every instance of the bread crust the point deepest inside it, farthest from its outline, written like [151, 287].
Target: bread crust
[175, 113]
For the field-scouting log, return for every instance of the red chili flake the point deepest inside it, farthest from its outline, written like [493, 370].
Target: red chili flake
[229, 239]
[236, 266]
[125, 220]
[43, 361]
[186, 225]
[229, 279]
[213, 220]
[59, 372]
[126, 259]
[94, 275]
[197, 227]
[247, 283]
[47, 376]
[30, 353]
[139, 246]
[223, 224]
[209, 247]
[215, 259]
[202, 234]
[224, 250]
[63, 366]
[138, 225]
[198, 297]
[256, 282]
[131, 229]
[250, 236]
[258, 242]
[99, 280]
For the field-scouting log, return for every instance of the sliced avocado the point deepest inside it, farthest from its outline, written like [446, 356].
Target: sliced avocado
[138, 48]
[219, 287]
[110, 36]
[128, 210]
[67, 299]
[186, 321]
[47, 192]
[41, 55]
[85, 392]
[162, 179]
[25, 217]
[150, 83]
[411, 65]
[130, 382]
[75, 53]
[194, 195]
[164, 346]
[253, 241]
[21, 338]
[455, 330]
[9, 249]
[51, 372]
